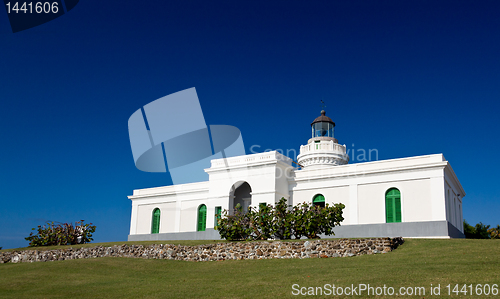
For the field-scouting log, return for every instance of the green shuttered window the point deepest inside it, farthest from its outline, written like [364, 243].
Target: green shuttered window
[319, 200]
[393, 205]
[202, 218]
[218, 211]
[155, 223]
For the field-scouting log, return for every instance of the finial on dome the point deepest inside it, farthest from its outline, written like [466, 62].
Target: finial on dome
[323, 118]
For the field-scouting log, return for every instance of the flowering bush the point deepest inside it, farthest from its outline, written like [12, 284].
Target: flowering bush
[494, 233]
[280, 222]
[61, 234]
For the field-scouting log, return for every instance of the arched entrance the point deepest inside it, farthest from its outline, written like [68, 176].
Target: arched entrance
[240, 193]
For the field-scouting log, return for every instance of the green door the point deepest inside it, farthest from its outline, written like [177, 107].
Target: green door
[202, 218]
[155, 223]
[392, 205]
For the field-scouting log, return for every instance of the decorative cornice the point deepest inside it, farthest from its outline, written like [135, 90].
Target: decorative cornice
[168, 193]
[349, 174]
[255, 160]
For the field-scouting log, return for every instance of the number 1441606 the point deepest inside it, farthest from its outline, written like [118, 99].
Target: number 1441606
[32, 7]
[471, 290]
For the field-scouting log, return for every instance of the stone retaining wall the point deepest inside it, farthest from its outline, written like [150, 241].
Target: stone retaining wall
[215, 252]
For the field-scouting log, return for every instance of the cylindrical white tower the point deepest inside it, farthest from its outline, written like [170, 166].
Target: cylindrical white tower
[322, 150]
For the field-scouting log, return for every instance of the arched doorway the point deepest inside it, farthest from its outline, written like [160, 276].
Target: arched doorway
[202, 218]
[155, 222]
[393, 205]
[240, 193]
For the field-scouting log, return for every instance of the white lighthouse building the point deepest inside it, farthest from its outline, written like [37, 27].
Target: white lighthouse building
[417, 197]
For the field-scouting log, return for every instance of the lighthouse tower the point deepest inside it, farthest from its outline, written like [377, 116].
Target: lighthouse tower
[322, 150]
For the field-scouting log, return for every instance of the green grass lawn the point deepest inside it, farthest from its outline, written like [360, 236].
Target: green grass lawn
[417, 263]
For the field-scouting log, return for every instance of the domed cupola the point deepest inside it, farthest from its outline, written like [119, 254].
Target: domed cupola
[322, 150]
[323, 126]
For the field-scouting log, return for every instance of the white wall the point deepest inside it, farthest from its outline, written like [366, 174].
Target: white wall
[453, 194]
[169, 200]
[424, 183]
[361, 188]
[264, 172]
[415, 201]
[189, 214]
[145, 216]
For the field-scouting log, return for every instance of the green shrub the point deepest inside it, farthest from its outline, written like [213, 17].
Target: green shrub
[494, 233]
[236, 226]
[279, 222]
[61, 234]
[480, 231]
[311, 220]
[469, 230]
[261, 223]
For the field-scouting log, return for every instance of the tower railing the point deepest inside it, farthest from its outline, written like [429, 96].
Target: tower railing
[322, 146]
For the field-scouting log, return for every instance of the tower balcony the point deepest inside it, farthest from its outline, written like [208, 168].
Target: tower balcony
[322, 151]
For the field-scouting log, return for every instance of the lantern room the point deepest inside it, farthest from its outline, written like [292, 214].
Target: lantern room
[322, 126]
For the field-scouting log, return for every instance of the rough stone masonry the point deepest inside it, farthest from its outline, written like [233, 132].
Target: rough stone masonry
[215, 252]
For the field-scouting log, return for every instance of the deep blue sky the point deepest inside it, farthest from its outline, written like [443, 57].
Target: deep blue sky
[404, 77]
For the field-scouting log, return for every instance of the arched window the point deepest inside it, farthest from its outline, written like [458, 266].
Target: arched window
[202, 218]
[155, 223]
[393, 205]
[319, 200]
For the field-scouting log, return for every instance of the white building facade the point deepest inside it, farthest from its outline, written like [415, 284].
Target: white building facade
[410, 197]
